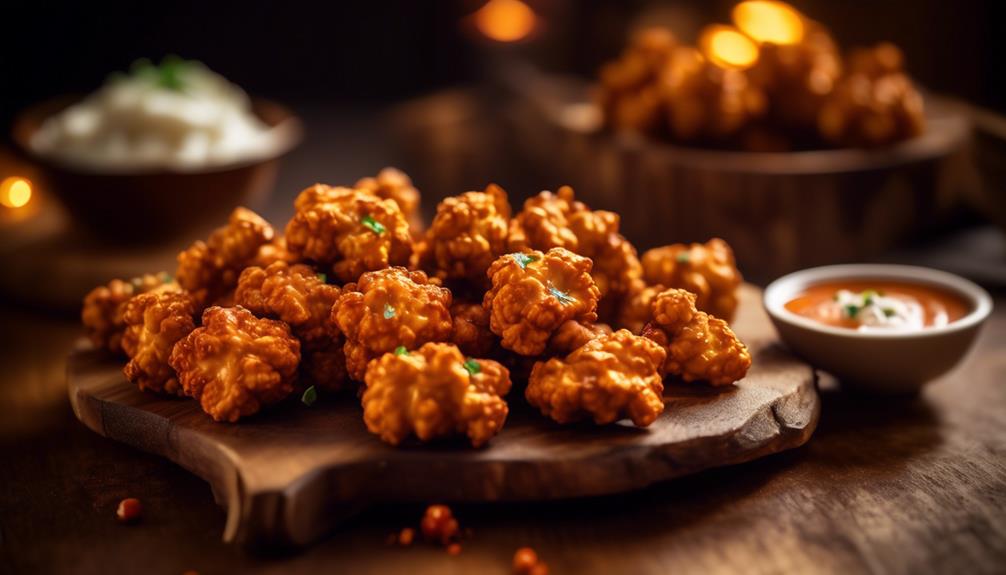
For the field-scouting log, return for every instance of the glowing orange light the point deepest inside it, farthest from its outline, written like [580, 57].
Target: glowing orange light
[728, 48]
[15, 192]
[767, 21]
[505, 20]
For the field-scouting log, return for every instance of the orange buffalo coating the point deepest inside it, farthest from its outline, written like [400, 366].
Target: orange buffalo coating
[533, 294]
[390, 308]
[471, 331]
[104, 306]
[468, 233]
[558, 220]
[707, 270]
[574, 334]
[394, 184]
[699, 347]
[274, 251]
[236, 363]
[350, 231]
[635, 309]
[435, 392]
[609, 378]
[297, 295]
[209, 270]
[154, 323]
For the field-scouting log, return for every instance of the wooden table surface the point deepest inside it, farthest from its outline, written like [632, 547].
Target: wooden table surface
[905, 486]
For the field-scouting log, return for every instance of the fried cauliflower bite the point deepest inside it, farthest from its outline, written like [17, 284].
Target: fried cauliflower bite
[533, 294]
[236, 363]
[616, 265]
[609, 378]
[274, 251]
[394, 184]
[635, 310]
[435, 392]
[469, 232]
[103, 307]
[471, 331]
[699, 347]
[707, 270]
[390, 308]
[155, 321]
[297, 295]
[210, 269]
[353, 231]
[543, 224]
[574, 334]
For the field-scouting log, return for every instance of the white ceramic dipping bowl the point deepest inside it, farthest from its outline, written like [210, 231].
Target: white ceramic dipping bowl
[876, 361]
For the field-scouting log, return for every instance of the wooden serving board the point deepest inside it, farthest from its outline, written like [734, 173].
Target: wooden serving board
[288, 475]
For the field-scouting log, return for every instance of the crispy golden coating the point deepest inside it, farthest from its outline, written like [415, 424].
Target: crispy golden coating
[629, 92]
[394, 184]
[274, 251]
[636, 309]
[390, 308]
[208, 270]
[353, 231]
[573, 334]
[875, 104]
[297, 295]
[471, 331]
[609, 378]
[533, 294]
[707, 270]
[469, 232]
[435, 392]
[543, 224]
[155, 321]
[104, 306]
[236, 363]
[699, 346]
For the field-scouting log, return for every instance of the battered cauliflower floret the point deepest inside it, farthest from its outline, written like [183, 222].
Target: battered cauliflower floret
[609, 378]
[635, 310]
[274, 251]
[154, 323]
[394, 184]
[352, 231]
[435, 392]
[210, 269]
[299, 296]
[104, 306]
[236, 363]
[390, 308]
[543, 224]
[469, 232]
[707, 270]
[573, 334]
[699, 347]
[471, 331]
[533, 294]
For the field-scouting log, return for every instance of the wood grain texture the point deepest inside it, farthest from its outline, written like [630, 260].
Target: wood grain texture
[287, 476]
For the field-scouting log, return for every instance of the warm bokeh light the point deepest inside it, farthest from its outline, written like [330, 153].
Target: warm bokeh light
[766, 21]
[15, 192]
[505, 20]
[728, 48]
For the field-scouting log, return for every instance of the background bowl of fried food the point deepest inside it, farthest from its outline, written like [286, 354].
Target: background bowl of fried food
[153, 204]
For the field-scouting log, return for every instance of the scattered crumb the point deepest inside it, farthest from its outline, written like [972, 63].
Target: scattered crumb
[454, 549]
[129, 511]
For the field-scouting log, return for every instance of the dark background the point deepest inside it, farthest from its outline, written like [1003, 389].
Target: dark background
[348, 53]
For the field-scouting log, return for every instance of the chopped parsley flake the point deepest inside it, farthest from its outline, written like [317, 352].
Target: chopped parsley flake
[389, 312]
[563, 297]
[888, 312]
[524, 259]
[400, 350]
[374, 225]
[851, 310]
[472, 366]
[683, 257]
[323, 278]
[168, 74]
[309, 397]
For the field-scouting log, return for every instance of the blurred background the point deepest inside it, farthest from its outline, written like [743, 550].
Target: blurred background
[457, 100]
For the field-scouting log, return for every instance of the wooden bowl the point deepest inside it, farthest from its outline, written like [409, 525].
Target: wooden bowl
[779, 211]
[154, 204]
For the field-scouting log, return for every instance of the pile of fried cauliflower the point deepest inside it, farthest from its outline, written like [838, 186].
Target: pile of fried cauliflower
[426, 325]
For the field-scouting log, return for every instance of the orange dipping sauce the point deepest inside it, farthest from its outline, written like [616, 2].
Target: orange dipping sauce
[879, 305]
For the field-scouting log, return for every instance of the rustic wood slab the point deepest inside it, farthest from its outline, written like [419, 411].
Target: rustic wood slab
[287, 476]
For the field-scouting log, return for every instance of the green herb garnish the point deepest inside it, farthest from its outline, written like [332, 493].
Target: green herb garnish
[472, 366]
[683, 257]
[309, 397]
[323, 278]
[563, 297]
[400, 350]
[389, 312]
[374, 225]
[868, 297]
[851, 310]
[888, 312]
[168, 74]
[524, 259]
